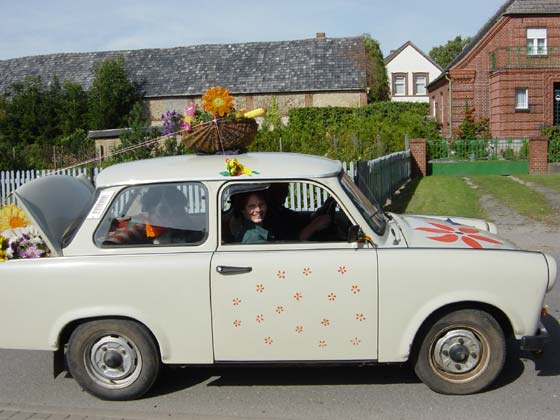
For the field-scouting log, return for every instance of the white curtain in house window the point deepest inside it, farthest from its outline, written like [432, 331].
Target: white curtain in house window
[399, 85]
[521, 98]
[420, 83]
[536, 41]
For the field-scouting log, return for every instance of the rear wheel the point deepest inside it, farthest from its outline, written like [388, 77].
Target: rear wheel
[462, 353]
[113, 359]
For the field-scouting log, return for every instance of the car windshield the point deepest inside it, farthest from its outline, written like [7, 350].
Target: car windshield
[371, 211]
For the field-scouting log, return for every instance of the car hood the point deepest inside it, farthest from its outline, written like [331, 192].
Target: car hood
[54, 203]
[435, 232]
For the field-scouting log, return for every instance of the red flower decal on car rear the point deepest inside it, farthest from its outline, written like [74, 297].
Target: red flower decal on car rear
[468, 235]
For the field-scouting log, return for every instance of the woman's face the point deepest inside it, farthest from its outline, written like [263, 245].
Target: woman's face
[254, 209]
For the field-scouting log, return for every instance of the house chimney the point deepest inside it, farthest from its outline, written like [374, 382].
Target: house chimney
[320, 35]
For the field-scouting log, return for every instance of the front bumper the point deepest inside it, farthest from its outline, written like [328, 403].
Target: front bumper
[535, 342]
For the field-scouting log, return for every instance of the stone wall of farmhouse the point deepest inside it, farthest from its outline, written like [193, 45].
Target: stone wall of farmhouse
[159, 106]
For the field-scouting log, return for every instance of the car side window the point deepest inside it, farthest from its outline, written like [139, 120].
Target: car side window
[156, 215]
[281, 212]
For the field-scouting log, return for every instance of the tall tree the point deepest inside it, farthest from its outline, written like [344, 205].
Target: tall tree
[112, 95]
[376, 74]
[445, 54]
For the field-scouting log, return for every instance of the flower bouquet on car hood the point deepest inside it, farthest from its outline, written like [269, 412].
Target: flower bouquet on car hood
[18, 238]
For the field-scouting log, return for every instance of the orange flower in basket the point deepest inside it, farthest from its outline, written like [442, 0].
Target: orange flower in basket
[217, 101]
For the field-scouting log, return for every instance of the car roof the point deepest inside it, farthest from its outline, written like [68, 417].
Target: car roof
[213, 167]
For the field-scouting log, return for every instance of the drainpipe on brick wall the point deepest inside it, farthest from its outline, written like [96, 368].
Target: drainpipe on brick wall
[450, 105]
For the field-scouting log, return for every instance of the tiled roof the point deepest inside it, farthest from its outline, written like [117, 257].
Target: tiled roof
[323, 64]
[533, 7]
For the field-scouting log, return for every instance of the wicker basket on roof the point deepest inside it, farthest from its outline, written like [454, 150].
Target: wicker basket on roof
[220, 135]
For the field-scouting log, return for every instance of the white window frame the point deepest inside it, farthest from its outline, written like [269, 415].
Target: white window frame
[525, 104]
[416, 78]
[534, 35]
[396, 92]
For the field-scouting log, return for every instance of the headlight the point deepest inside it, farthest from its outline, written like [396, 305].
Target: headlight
[552, 270]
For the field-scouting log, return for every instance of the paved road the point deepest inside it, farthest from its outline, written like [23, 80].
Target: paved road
[528, 389]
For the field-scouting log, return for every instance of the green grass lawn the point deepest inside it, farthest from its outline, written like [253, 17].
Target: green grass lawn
[520, 198]
[548, 181]
[450, 195]
[438, 195]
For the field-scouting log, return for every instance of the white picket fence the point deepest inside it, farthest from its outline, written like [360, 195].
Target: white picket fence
[12, 180]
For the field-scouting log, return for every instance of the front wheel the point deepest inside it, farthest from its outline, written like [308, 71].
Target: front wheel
[462, 353]
[113, 359]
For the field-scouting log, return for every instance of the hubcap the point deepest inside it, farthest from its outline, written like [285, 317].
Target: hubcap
[458, 351]
[113, 361]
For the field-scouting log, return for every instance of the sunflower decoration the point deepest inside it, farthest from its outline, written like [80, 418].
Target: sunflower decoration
[12, 217]
[217, 101]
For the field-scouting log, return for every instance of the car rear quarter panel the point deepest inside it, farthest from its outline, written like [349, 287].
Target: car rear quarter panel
[169, 293]
[415, 282]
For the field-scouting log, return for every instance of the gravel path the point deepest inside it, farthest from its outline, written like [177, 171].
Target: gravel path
[525, 232]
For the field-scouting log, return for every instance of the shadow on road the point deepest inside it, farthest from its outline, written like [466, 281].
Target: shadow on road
[176, 379]
[549, 364]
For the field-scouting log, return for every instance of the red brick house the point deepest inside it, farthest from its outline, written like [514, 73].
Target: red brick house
[509, 73]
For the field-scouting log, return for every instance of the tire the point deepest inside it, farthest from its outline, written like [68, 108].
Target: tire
[462, 353]
[113, 359]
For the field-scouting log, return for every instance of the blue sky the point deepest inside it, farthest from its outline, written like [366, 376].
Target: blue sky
[33, 27]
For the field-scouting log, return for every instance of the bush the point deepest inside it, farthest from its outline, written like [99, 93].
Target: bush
[350, 133]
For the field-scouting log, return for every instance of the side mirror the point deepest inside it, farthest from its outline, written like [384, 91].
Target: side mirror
[354, 233]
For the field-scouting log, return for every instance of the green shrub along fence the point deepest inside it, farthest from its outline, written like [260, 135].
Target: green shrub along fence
[478, 157]
[554, 151]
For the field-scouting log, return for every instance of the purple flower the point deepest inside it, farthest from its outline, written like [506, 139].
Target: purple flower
[31, 252]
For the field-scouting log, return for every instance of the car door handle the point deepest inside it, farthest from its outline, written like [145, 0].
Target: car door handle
[226, 270]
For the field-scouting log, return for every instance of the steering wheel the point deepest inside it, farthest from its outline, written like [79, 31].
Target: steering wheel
[328, 208]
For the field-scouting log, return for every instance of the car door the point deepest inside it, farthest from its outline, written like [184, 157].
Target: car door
[294, 300]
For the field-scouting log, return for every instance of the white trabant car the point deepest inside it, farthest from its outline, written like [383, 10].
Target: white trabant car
[152, 267]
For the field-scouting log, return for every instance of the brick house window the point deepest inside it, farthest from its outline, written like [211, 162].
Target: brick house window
[521, 98]
[536, 41]
[420, 82]
[399, 84]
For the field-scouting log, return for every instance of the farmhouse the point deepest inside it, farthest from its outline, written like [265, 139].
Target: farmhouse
[311, 72]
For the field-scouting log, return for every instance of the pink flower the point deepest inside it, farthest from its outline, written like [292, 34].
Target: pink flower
[356, 341]
[189, 116]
